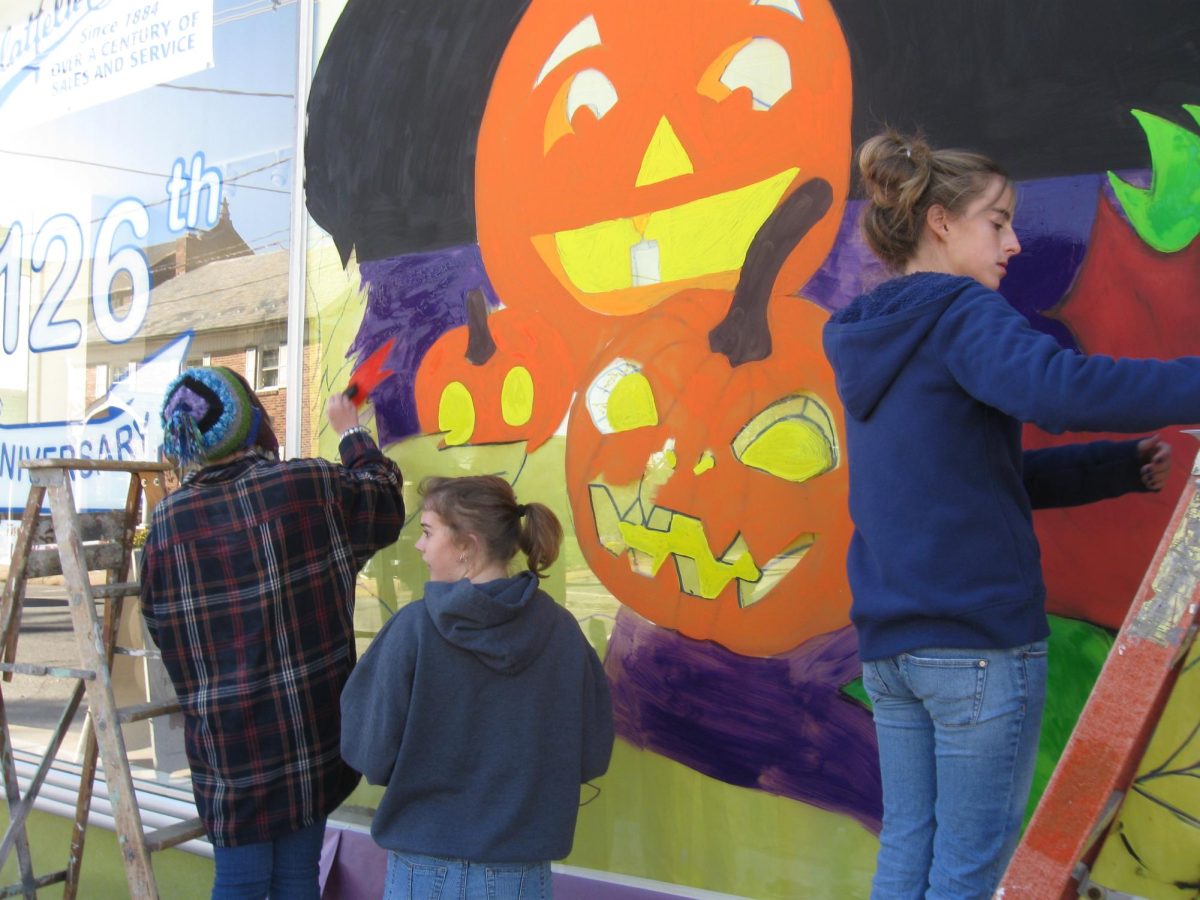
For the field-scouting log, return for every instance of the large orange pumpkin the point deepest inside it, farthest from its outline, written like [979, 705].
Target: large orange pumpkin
[709, 496]
[630, 150]
[498, 379]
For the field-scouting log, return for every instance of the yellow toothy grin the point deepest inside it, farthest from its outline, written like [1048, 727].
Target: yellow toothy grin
[703, 237]
[650, 538]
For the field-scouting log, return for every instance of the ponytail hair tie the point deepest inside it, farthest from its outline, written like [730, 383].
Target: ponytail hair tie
[521, 508]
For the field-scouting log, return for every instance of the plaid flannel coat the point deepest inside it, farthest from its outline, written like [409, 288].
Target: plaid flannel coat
[248, 577]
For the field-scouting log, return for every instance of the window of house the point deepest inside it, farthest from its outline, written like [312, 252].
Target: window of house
[270, 367]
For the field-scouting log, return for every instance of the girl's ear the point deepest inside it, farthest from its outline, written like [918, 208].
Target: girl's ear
[938, 220]
[472, 546]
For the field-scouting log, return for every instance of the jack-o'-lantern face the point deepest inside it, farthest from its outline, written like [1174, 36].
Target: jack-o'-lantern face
[630, 150]
[713, 499]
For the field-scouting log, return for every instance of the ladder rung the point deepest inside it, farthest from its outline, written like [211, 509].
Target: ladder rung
[147, 710]
[175, 834]
[137, 652]
[116, 589]
[15, 890]
[54, 671]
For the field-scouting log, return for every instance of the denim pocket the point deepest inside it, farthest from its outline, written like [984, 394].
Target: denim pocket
[414, 879]
[872, 680]
[951, 689]
[516, 882]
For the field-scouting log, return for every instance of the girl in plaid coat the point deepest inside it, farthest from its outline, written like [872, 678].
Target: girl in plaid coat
[248, 580]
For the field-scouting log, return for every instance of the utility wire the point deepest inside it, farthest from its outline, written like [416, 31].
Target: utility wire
[98, 165]
[206, 90]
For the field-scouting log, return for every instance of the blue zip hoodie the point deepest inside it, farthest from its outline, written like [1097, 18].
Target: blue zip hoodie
[482, 708]
[937, 374]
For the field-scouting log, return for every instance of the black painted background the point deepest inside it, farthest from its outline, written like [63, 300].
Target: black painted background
[1045, 86]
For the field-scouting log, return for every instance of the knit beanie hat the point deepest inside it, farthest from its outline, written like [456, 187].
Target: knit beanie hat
[208, 413]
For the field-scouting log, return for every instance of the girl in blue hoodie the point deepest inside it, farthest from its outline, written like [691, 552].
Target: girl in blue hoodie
[481, 708]
[937, 373]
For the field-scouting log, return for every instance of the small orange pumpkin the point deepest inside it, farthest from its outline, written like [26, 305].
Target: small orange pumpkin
[709, 493]
[498, 379]
[631, 150]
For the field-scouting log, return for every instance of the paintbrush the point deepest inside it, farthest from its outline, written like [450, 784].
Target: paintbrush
[369, 374]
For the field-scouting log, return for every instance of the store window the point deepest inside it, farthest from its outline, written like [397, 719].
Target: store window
[147, 168]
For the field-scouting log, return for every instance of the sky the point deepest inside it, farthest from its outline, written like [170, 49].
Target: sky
[240, 114]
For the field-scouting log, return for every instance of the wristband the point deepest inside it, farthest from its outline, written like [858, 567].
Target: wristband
[353, 429]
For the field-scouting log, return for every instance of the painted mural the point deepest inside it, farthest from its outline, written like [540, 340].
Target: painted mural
[603, 236]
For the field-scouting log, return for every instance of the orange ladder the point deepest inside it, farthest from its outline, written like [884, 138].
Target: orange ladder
[1101, 757]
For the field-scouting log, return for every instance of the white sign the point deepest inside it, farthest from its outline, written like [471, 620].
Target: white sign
[126, 428]
[72, 54]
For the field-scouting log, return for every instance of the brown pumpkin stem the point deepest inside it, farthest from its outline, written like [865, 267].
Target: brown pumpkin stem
[480, 345]
[744, 335]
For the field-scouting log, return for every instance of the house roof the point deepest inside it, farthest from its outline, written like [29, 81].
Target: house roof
[231, 293]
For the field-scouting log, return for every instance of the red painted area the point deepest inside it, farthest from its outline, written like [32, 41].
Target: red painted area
[1128, 300]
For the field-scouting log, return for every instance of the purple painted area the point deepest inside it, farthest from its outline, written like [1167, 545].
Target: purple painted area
[781, 724]
[1054, 221]
[415, 299]
[850, 268]
[353, 866]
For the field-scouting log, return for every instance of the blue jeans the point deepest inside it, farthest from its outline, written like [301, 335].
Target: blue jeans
[958, 734]
[285, 869]
[411, 876]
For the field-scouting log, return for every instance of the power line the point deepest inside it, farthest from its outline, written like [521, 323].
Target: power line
[237, 17]
[205, 90]
[98, 165]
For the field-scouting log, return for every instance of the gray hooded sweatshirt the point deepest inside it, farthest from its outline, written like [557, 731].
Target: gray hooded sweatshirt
[482, 708]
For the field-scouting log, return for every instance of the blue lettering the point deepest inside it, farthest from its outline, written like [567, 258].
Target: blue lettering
[104, 451]
[124, 438]
[8, 459]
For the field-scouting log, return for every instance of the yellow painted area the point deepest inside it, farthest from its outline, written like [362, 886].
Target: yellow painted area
[790, 449]
[596, 257]
[664, 158]
[794, 439]
[656, 818]
[773, 572]
[713, 234]
[631, 403]
[456, 414]
[516, 396]
[706, 576]
[707, 461]
[1159, 819]
[703, 237]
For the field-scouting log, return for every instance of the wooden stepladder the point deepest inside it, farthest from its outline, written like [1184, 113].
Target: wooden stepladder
[73, 544]
[1102, 755]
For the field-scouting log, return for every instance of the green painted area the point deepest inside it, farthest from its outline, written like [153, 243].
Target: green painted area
[657, 819]
[1167, 214]
[1077, 653]
[180, 875]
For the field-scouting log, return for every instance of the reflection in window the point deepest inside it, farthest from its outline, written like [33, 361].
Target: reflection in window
[268, 368]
